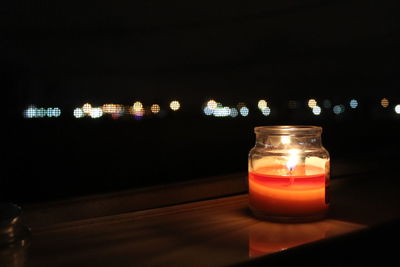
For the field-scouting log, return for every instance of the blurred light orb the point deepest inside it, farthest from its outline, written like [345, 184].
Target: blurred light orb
[212, 104]
[338, 109]
[316, 110]
[175, 105]
[227, 111]
[30, 112]
[56, 112]
[234, 113]
[262, 104]
[106, 108]
[111, 108]
[49, 112]
[327, 103]
[384, 102]
[266, 111]
[207, 111]
[119, 108]
[312, 103]
[53, 112]
[219, 112]
[78, 113]
[137, 106]
[353, 103]
[222, 112]
[41, 112]
[155, 108]
[397, 109]
[292, 104]
[244, 111]
[87, 108]
[96, 113]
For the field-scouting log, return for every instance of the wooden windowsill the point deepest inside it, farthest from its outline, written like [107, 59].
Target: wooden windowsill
[213, 232]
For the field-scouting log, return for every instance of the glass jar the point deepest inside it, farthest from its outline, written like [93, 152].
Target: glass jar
[289, 174]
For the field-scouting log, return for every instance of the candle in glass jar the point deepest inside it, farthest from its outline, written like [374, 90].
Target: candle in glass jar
[288, 174]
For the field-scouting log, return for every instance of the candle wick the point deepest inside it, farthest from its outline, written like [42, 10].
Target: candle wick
[291, 176]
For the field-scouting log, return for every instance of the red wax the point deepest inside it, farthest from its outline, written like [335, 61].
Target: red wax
[275, 191]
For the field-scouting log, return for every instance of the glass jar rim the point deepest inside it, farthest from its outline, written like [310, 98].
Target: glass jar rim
[289, 130]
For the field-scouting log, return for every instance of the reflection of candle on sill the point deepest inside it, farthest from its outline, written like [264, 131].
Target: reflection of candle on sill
[271, 237]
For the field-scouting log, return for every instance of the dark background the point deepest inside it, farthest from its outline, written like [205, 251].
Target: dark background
[65, 54]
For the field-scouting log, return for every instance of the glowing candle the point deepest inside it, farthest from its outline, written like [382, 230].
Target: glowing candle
[289, 183]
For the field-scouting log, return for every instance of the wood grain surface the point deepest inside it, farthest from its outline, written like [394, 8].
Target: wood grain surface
[207, 233]
[216, 232]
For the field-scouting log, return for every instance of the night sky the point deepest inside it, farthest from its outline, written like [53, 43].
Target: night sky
[66, 54]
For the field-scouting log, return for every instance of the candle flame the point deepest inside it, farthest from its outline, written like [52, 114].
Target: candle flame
[285, 140]
[293, 159]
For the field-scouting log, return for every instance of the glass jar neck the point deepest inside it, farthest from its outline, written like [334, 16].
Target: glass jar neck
[287, 141]
[287, 137]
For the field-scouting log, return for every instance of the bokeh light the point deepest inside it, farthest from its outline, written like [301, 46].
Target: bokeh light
[207, 111]
[78, 113]
[96, 113]
[34, 112]
[175, 105]
[115, 109]
[244, 111]
[385, 102]
[222, 112]
[108, 108]
[316, 110]
[266, 111]
[56, 112]
[137, 106]
[212, 104]
[30, 112]
[87, 108]
[53, 112]
[262, 104]
[397, 109]
[312, 103]
[210, 108]
[41, 112]
[234, 113]
[155, 108]
[338, 109]
[49, 112]
[353, 103]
